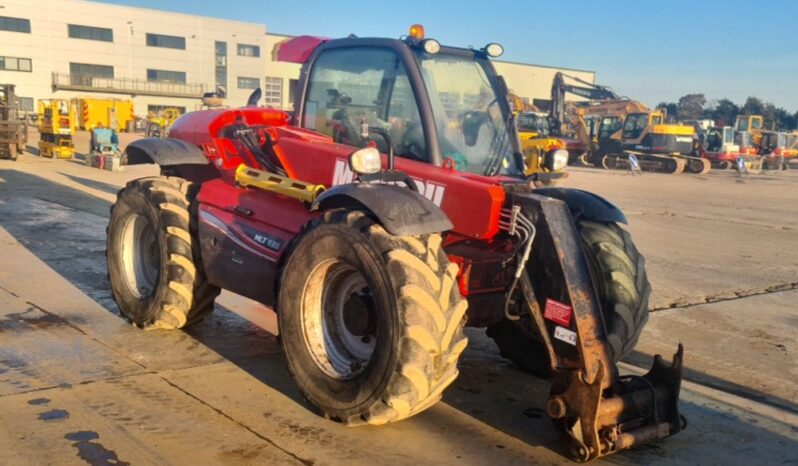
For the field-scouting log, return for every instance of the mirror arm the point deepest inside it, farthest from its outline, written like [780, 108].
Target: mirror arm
[366, 130]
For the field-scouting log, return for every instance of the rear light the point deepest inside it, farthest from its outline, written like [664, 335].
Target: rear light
[63, 122]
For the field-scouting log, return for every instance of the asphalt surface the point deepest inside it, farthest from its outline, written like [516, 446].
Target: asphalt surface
[79, 385]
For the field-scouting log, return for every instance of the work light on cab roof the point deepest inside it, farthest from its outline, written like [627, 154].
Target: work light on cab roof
[432, 46]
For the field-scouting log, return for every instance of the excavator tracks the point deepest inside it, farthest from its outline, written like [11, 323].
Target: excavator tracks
[698, 165]
[648, 163]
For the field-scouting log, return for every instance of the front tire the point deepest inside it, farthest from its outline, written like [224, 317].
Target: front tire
[153, 258]
[371, 323]
[619, 273]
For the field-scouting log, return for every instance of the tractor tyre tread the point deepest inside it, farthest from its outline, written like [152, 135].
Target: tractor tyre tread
[624, 292]
[431, 321]
[186, 296]
[619, 270]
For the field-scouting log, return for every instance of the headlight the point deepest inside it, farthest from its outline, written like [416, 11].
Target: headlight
[432, 46]
[494, 50]
[365, 161]
[556, 160]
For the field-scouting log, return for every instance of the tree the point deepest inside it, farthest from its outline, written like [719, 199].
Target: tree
[691, 106]
[670, 109]
[753, 106]
[724, 112]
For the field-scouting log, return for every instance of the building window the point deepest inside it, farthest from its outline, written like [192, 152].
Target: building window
[220, 50]
[292, 84]
[14, 24]
[96, 71]
[248, 83]
[273, 92]
[157, 109]
[26, 104]
[248, 50]
[163, 76]
[171, 42]
[91, 33]
[16, 64]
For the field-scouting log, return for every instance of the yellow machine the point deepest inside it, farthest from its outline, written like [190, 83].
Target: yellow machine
[537, 143]
[56, 123]
[614, 128]
[158, 124]
[658, 146]
[103, 113]
[540, 148]
[752, 125]
[592, 122]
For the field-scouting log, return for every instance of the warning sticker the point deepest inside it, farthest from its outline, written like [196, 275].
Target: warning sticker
[558, 312]
[563, 334]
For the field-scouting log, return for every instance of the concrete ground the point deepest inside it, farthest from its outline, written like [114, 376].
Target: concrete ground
[79, 385]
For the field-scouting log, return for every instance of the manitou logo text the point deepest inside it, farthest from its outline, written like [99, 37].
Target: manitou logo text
[432, 191]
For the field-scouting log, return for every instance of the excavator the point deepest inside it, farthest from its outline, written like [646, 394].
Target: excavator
[643, 133]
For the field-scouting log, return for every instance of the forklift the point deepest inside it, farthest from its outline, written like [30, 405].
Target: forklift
[13, 129]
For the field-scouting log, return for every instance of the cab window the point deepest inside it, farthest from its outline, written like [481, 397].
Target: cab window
[634, 125]
[609, 126]
[350, 87]
[742, 124]
[756, 123]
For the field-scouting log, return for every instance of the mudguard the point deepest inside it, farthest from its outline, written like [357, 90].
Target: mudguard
[584, 204]
[164, 152]
[401, 211]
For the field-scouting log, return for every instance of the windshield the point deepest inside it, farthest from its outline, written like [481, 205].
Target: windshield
[534, 122]
[473, 129]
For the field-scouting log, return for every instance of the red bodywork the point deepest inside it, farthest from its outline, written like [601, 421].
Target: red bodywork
[273, 219]
[297, 49]
[720, 157]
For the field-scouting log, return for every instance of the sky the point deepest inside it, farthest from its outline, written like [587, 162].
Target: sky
[650, 51]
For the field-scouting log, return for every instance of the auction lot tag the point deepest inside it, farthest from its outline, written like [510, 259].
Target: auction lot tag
[558, 312]
[563, 334]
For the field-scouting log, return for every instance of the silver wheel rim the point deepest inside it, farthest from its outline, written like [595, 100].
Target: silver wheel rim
[141, 256]
[338, 319]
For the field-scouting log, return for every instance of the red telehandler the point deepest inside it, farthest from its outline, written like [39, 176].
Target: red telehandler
[393, 202]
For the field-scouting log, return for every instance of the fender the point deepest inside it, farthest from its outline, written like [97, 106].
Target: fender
[401, 211]
[587, 205]
[164, 152]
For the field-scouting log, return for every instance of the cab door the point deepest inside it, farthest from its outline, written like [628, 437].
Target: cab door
[348, 88]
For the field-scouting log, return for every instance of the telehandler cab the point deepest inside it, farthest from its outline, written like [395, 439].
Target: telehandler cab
[391, 203]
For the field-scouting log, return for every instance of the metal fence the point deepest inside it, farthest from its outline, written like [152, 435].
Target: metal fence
[74, 82]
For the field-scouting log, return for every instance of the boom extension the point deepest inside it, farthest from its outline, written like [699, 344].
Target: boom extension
[596, 410]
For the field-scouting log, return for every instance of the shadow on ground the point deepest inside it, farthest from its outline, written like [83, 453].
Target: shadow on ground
[94, 184]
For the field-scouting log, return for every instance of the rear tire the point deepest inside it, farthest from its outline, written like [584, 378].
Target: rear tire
[371, 323]
[619, 273]
[153, 258]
